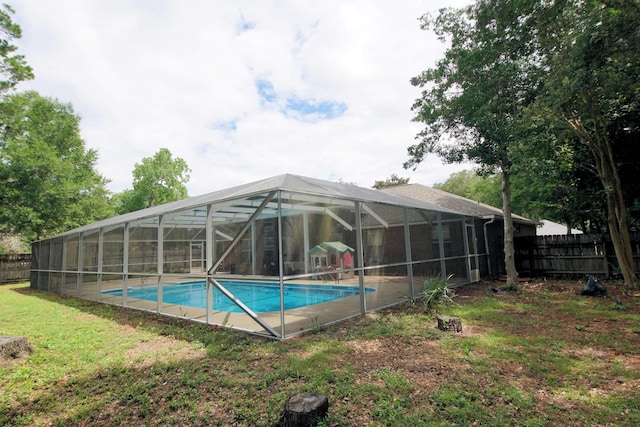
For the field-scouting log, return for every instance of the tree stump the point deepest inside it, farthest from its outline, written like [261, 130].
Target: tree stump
[447, 323]
[304, 410]
[14, 347]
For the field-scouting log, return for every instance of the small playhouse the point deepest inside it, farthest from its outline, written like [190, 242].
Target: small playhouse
[274, 257]
[334, 258]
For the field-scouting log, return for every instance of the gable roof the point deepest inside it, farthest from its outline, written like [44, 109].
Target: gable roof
[453, 202]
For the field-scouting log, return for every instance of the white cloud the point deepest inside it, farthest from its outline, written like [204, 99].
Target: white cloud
[186, 76]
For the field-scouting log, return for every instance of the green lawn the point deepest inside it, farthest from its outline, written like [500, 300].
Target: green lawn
[541, 356]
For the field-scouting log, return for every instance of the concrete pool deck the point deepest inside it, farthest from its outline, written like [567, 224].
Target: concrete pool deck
[388, 291]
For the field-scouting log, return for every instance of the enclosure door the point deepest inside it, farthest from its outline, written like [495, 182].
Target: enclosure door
[197, 257]
[474, 269]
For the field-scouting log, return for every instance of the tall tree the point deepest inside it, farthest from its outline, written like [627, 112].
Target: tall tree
[593, 52]
[474, 101]
[156, 180]
[13, 67]
[48, 183]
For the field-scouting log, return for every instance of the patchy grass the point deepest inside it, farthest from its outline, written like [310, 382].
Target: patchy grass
[542, 355]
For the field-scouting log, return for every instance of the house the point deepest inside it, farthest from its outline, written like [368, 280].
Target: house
[550, 228]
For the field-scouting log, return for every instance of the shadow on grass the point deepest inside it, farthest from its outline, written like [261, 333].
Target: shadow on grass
[181, 329]
[192, 392]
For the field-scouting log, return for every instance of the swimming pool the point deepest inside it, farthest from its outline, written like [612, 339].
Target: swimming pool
[258, 296]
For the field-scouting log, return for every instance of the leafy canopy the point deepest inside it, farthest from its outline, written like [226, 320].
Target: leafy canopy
[392, 181]
[48, 183]
[467, 183]
[13, 67]
[156, 180]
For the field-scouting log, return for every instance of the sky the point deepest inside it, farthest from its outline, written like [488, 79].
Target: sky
[241, 90]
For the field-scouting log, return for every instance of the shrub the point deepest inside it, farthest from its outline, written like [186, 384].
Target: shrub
[437, 293]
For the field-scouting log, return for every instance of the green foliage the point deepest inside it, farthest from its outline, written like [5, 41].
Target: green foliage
[478, 92]
[13, 244]
[48, 179]
[475, 101]
[156, 180]
[469, 184]
[392, 181]
[438, 293]
[13, 67]
[592, 52]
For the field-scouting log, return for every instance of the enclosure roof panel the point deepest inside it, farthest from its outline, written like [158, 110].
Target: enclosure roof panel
[286, 182]
[445, 200]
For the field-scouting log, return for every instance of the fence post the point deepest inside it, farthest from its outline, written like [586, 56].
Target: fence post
[607, 270]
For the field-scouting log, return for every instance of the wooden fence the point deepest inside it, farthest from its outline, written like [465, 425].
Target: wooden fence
[15, 268]
[570, 256]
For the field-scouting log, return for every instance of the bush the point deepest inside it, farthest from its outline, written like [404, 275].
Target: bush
[437, 293]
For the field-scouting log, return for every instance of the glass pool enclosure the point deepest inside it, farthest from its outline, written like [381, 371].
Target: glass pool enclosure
[275, 257]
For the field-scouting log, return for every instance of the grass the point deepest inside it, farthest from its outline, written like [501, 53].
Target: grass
[524, 358]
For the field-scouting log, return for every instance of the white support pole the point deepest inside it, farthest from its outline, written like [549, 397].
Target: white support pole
[305, 226]
[125, 263]
[210, 254]
[281, 266]
[100, 254]
[467, 252]
[360, 258]
[160, 267]
[407, 249]
[64, 264]
[80, 263]
[443, 264]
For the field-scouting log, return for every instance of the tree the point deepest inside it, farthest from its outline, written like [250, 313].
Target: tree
[156, 180]
[13, 67]
[475, 99]
[48, 183]
[393, 181]
[467, 183]
[592, 52]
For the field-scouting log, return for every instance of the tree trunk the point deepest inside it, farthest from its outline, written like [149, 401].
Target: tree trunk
[448, 323]
[304, 410]
[606, 169]
[617, 221]
[509, 250]
[14, 347]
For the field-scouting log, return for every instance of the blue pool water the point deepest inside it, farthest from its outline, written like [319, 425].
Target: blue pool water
[258, 296]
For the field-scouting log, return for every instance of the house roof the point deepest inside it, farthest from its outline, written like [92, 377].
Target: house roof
[550, 228]
[453, 202]
[286, 182]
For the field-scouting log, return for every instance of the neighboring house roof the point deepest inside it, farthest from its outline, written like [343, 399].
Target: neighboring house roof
[332, 246]
[550, 228]
[452, 202]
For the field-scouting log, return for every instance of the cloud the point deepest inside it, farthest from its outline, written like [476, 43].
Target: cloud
[297, 107]
[241, 90]
[313, 110]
